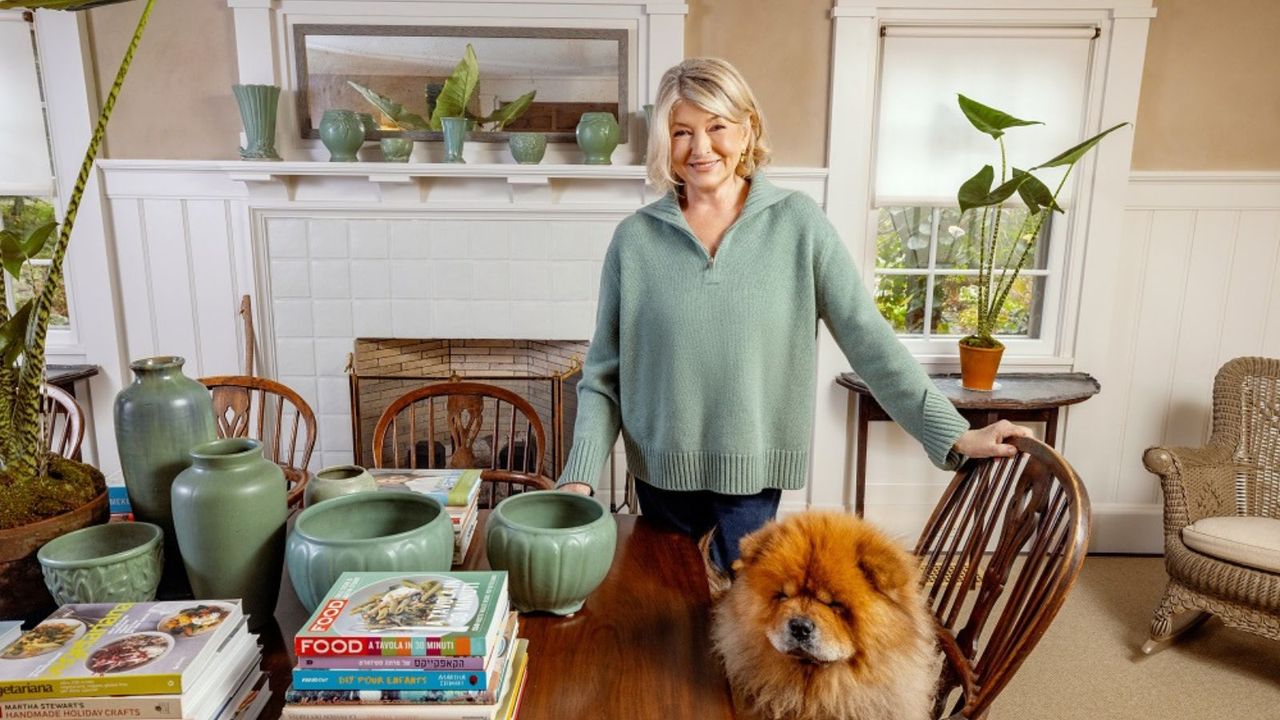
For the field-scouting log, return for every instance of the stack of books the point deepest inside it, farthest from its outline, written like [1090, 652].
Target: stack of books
[187, 660]
[457, 490]
[410, 645]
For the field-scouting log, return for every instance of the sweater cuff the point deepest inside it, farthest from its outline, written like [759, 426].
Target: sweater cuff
[942, 427]
[583, 464]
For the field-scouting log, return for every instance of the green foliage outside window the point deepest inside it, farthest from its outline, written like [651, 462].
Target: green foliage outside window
[23, 215]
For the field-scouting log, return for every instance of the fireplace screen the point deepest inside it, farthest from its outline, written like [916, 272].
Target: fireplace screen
[544, 373]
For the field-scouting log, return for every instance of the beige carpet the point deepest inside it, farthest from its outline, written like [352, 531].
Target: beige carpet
[1088, 666]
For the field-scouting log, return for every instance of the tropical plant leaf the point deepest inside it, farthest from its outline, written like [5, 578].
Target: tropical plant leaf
[975, 190]
[402, 118]
[13, 334]
[988, 119]
[1035, 193]
[1069, 157]
[36, 239]
[11, 255]
[512, 110]
[458, 89]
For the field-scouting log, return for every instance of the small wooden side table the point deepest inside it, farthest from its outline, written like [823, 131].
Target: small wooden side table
[1025, 397]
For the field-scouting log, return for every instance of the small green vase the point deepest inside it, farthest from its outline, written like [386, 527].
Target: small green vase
[342, 132]
[230, 508]
[116, 562]
[556, 547]
[527, 148]
[396, 149]
[258, 113]
[455, 132]
[598, 137]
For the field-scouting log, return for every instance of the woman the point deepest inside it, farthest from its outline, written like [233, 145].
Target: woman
[705, 341]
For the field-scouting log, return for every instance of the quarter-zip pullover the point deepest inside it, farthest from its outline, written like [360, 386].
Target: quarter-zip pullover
[707, 364]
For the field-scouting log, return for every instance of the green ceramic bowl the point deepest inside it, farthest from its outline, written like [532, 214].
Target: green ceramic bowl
[369, 531]
[527, 147]
[116, 562]
[555, 546]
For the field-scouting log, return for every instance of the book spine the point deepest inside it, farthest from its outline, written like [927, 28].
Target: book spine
[377, 662]
[96, 686]
[369, 712]
[375, 698]
[142, 708]
[389, 680]
[356, 645]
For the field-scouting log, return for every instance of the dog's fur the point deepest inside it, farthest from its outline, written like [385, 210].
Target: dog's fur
[825, 620]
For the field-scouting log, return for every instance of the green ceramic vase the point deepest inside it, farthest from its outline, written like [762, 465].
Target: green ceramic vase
[336, 481]
[158, 419]
[455, 132]
[342, 132]
[258, 112]
[369, 531]
[598, 137]
[117, 562]
[556, 547]
[396, 149]
[527, 148]
[230, 509]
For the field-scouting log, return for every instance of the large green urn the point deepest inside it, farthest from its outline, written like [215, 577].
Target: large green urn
[159, 418]
[230, 511]
[366, 532]
[556, 547]
[597, 134]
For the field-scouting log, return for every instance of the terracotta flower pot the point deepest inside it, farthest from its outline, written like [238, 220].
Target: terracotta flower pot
[22, 590]
[978, 366]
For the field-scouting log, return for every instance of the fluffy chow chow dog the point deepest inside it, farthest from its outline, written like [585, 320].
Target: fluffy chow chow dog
[825, 620]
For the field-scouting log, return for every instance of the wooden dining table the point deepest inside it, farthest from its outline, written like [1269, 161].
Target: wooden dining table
[638, 649]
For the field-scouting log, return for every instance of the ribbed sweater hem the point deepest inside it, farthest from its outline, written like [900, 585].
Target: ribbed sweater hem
[728, 473]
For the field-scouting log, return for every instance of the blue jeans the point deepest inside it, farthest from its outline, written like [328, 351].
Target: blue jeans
[696, 512]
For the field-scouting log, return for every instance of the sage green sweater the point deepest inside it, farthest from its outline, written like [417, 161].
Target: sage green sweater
[707, 365]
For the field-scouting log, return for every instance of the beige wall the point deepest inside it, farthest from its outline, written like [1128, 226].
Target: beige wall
[177, 101]
[1209, 96]
[1210, 99]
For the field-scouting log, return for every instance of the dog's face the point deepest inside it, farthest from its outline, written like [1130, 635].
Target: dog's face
[826, 588]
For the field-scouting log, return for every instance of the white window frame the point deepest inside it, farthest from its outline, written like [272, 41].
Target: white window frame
[1112, 97]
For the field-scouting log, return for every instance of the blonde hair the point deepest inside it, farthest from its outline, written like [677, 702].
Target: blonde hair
[716, 87]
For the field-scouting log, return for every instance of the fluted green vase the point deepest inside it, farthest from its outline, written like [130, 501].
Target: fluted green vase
[230, 508]
[258, 104]
[556, 547]
[159, 418]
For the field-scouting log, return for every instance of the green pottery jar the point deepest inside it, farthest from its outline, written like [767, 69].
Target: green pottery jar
[597, 134]
[527, 147]
[230, 509]
[158, 419]
[342, 132]
[336, 481]
[455, 134]
[370, 531]
[396, 149]
[117, 562]
[258, 112]
[556, 548]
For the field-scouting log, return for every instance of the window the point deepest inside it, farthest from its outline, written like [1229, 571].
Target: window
[27, 197]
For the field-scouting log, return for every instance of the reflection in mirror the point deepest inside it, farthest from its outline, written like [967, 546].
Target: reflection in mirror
[573, 71]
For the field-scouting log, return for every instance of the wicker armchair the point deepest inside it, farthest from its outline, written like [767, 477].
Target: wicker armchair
[1230, 490]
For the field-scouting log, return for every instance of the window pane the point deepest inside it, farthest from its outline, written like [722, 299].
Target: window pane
[900, 299]
[902, 237]
[29, 284]
[958, 239]
[956, 302]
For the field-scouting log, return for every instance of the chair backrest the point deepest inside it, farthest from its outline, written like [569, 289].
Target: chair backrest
[63, 421]
[998, 556]
[486, 426]
[1246, 418]
[262, 409]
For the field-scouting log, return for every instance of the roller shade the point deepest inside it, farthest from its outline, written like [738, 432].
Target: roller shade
[24, 147]
[925, 148]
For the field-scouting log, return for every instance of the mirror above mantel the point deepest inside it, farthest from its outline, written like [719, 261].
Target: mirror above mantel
[572, 70]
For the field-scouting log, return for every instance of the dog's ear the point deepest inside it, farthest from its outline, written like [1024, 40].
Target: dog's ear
[887, 571]
[750, 546]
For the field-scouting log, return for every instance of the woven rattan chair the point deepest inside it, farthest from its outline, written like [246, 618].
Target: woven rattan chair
[1236, 475]
[998, 556]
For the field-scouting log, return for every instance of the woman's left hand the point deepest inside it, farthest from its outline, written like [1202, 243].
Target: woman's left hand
[989, 441]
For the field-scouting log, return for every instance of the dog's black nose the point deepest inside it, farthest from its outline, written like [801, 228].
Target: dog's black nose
[800, 628]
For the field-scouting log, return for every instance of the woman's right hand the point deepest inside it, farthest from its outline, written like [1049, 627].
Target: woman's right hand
[576, 487]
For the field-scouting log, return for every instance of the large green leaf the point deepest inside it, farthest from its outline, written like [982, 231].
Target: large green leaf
[36, 239]
[1069, 157]
[13, 334]
[988, 119]
[512, 110]
[1035, 193]
[458, 89]
[11, 255]
[977, 192]
[402, 118]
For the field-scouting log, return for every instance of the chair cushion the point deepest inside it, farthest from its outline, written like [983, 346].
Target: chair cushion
[1250, 541]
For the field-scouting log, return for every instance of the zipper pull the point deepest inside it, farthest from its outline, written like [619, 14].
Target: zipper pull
[711, 263]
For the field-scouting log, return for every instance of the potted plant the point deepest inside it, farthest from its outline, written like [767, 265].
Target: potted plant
[980, 352]
[42, 495]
